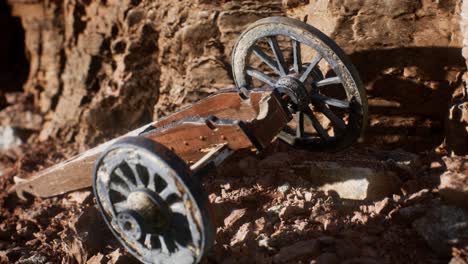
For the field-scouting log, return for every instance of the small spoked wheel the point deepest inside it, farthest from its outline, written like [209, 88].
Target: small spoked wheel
[150, 202]
[315, 77]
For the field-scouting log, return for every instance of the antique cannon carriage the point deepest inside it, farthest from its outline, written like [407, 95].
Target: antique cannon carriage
[293, 83]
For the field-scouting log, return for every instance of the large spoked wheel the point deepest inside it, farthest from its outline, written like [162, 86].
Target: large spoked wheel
[150, 202]
[315, 76]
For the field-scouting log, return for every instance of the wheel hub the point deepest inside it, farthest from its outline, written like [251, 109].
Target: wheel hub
[295, 89]
[130, 224]
[146, 213]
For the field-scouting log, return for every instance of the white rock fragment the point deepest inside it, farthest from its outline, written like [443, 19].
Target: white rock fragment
[8, 138]
[284, 187]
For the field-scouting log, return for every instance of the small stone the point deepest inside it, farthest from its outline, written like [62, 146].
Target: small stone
[36, 259]
[300, 225]
[284, 188]
[290, 211]
[264, 241]
[454, 188]
[396, 198]
[260, 224]
[234, 216]
[418, 197]
[8, 138]
[97, 259]
[244, 233]
[119, 257]
[212, 197]
[226, 186]
[411, 72]
[382, 206]
[308, 248]
[308, 196]
[327, 258]
[435, 165]
[79, 196]
[275, 209]
[360, 218]
[218, 200]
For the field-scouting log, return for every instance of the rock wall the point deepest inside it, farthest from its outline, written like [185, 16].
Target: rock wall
[408, 55]
[98, 68]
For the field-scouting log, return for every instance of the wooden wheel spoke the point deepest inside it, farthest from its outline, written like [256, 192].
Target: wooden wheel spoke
[297, 56]
[278, 55]
[134, 169]
[178, 208]
[300, 124]
[316, 124]
[127, 181]
[164, 247]
[151, 182]
[336, 121]
[120, 206]
[330, 101]
[328, 81]
[266, 59]
[311, 66]
[165, 193]
[260, 76]
[119, 188]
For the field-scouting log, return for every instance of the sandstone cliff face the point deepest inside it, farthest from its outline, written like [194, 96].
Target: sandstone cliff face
[98, 68]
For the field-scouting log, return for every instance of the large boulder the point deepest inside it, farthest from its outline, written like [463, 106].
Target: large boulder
[443, 227]
[354, 182]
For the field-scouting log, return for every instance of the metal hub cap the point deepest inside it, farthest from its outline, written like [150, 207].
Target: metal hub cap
[147, 202]
[295, 89]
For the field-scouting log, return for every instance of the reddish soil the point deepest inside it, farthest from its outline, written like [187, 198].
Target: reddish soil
[257, 215]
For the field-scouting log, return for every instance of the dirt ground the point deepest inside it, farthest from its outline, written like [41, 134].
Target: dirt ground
[265, 212]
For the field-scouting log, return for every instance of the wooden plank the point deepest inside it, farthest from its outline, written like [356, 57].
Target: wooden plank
[73, 174]
[191, 140]
[224, 105]
[262, 115]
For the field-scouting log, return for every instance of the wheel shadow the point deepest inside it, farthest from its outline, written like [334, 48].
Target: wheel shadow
[409, 91]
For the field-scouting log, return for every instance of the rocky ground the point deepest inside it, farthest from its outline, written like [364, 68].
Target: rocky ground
[284, 206]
